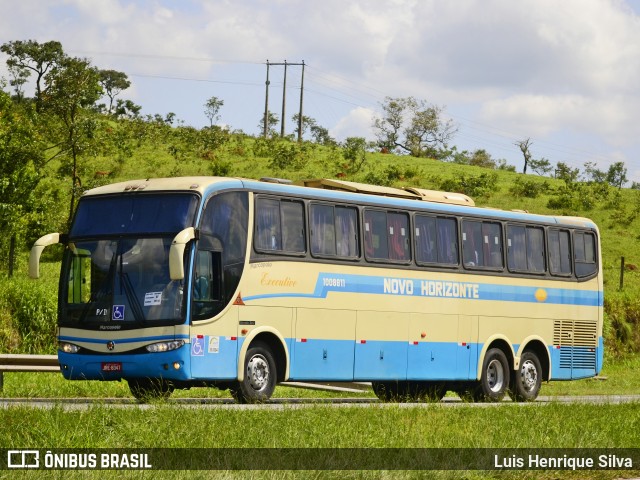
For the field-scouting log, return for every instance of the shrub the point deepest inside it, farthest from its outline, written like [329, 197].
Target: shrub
[482, 185]
[30, 317]
[523, 187]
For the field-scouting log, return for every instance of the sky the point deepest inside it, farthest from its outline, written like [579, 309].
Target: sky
[563, 73]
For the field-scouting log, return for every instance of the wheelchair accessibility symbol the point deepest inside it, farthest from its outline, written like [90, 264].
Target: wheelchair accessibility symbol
[197, 346]
[118, 312]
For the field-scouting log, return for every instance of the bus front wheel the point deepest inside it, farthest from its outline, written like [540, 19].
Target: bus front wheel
[259, 376]
[527, 380]
[494, 381]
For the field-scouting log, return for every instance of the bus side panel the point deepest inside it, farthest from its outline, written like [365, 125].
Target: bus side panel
[432, 352]
[324, 344]
[381, 346]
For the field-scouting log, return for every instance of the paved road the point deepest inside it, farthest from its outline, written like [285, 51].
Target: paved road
[288, 403]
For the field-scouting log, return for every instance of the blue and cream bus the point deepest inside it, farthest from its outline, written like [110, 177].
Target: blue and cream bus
[242, 284]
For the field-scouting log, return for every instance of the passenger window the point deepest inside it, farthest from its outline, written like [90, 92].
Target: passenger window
[375, 234]
[334, 231]
[436, 240]
[559, 254]
[386, 235]
[525, 249]
[279, 226]
[584, 254]
[481, 244]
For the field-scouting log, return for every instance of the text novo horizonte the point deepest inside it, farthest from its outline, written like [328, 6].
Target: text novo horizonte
[431, 288]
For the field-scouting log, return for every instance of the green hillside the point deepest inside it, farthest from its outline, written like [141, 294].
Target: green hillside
[128, 149]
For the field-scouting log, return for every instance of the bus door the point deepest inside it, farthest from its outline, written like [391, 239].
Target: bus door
[214, 349]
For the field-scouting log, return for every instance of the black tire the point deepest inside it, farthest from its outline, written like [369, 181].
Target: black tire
[260, 376]
[390, 391]
[426, 391]
[147, 389]
[494, 381]
[527, 380]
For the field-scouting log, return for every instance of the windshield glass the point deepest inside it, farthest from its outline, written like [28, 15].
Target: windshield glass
[139, 213]
[116, 284]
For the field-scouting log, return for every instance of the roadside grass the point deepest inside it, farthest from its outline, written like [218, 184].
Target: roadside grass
[377, 427]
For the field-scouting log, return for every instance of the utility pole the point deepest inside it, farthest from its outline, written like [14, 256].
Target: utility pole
[284, 98]
[300, 112]
[266, 105]
[284, 94]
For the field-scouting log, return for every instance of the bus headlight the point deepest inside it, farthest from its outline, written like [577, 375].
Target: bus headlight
[164, 346]
[68, 347]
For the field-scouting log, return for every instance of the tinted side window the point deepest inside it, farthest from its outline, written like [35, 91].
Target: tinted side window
[436, 240]
[584, 247]
[559, 252]
[525, 249]
[334, 231]
[386, 235]
[481, 244]
[279, 226]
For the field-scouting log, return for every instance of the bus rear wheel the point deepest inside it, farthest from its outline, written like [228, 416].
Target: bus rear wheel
[527, 380]
[259, 376]
[146, 389]
[494, 381]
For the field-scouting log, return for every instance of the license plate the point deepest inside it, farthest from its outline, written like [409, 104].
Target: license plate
[112, 367]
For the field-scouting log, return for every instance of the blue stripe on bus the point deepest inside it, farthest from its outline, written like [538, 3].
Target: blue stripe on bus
[429, 287]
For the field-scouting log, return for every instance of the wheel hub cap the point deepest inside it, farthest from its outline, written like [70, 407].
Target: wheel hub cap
[258, 372]
[528, 375]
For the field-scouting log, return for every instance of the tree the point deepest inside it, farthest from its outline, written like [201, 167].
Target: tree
[272, 122]
[21, 159]
[414, 126]
[524, 146]
[30, 56]
[321, 135]
[593, 174]
[617, 175]
[482, 158]
[212, 109]
[566, 173]
[126, 108]
[307, 123]
[541, 166]
[73, 86]
[388, 127]
[355, 152]
[113, 83]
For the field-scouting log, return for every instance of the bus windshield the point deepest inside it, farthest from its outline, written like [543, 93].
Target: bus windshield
[119, 284]
[144, 213]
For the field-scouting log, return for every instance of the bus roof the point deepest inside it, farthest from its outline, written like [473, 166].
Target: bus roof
[409, 197]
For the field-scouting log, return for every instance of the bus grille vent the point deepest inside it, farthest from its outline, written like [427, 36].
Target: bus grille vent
[577, 340]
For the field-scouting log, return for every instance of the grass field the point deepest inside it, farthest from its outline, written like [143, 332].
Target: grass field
[319, 426]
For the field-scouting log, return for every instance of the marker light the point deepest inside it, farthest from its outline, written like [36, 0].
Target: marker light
[164, 346]
[68, 347]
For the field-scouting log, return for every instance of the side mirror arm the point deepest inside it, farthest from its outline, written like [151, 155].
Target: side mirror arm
[176, 252]
[36, 251]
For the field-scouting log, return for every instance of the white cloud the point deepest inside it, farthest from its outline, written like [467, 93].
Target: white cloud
[356, 124]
